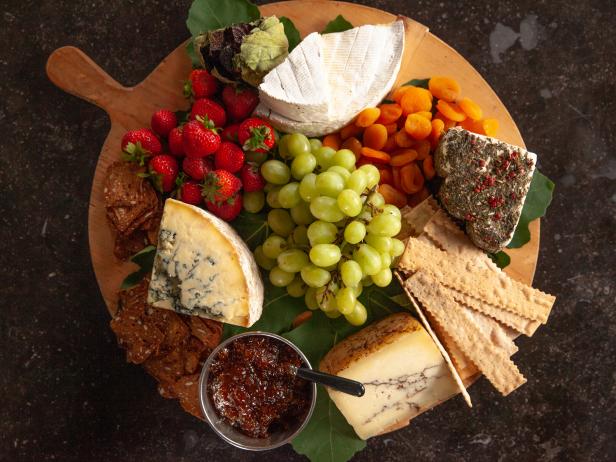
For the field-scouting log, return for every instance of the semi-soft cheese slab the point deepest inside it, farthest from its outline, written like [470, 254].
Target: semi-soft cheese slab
[203, 268]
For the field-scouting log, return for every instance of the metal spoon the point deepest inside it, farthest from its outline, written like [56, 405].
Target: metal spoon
[348, 386]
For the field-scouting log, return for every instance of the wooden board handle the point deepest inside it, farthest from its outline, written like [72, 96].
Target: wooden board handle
[74, 72]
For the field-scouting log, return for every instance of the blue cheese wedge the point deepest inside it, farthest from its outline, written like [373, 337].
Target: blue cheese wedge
[401, 368]
[203, 268]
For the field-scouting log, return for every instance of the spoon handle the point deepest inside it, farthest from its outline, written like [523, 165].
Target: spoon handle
[347, 386]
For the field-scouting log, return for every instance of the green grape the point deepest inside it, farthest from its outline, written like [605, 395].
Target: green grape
[351, 273]
[315, 144]
[300, 235]
[308, 188]
[279, 277]
[381, 243]
[392, 210]
[354, 232]
[301, 213]
[326, 299]
[288, 196]
[322, 232]
[272, 198]
[324, 156]
[367, 281]
[270, 187]
[368, 258]
[280, 222]
[310, 299]
[375, 199]
[334, 314]
[283, 147]
[384, 225]
[358, 316]
[357, 181]
[358, 290]
[297, 288]
[372, 175]
[343, 172]
[292, 260]
[262, 260]
[315, 276]
[329, 184]
[254, 201]
[256, 157]
[366, 214]
[331, 268]
[349, 202]
[382, 278]
[326, 209]
[345, 300]
[397, 247]
[273, 246]
[302, 165]
[324, 255]
[276, 172]
[298, 144]
[386, 260]
[345, 158]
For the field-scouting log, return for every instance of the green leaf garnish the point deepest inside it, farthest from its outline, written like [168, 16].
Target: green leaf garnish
[206, 15]
[291, 32]
[145, 260]
[423, 83]
[537, 201]
[340, 24]
[501, 259]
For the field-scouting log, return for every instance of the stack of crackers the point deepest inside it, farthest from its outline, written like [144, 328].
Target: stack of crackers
[467, 302]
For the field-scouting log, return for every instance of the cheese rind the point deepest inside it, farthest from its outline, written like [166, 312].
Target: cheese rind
[203, 268]
[402, 371]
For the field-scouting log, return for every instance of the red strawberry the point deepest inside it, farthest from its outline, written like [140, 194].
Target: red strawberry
[239, 101]
[200, 84]
[190, 192]
[175, 142]
[163, 121]
[199, 138]
[139, 144]
[164, 171]
[229, 133]
[220, 185]
[229, 157]
[256, 135]
[209, 109]
[251, 178]
[197, 167]
[228, 210]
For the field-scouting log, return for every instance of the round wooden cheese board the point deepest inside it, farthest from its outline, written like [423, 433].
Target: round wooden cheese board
[131, 107]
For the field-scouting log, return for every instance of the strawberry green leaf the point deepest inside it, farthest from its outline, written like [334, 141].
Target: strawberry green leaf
[537, 201]
[291, 32]
[145, 260]
[206, 15]
[501, 259]
[340, 24]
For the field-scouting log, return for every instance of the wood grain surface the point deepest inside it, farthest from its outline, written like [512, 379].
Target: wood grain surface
[131, 108]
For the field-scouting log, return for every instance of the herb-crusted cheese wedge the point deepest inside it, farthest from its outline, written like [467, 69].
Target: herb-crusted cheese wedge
[401, 368]
[486, 182]
[203, 268]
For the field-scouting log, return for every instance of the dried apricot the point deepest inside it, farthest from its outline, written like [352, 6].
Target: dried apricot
[490, 127]
[353, 144]
[397, 181]
[426, 114]
[416, 99]
[448, 122]
[417, 126]
[411, 178]
[392, 195]
[423, 149]
[470, 108]
[451, 110]
[332, 141]
[391, 144]
[349, 131]
[389, 113]
[368, 116]
[375, 155]
[386, 176]
[391, 128]
[403, 139]
[428, 168]
[375, 136]
[403, 157]
[399, 93]
[418, 197]
[444, 88]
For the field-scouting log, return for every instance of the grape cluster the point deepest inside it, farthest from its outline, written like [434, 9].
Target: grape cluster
[332, 233]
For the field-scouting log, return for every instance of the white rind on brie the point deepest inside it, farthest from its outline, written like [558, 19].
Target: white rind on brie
[327, 79]
[203, 268]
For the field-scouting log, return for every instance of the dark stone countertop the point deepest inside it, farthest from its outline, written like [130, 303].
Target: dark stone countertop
[67, 392]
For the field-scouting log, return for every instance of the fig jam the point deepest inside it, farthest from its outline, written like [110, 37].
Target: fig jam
[253, 388]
